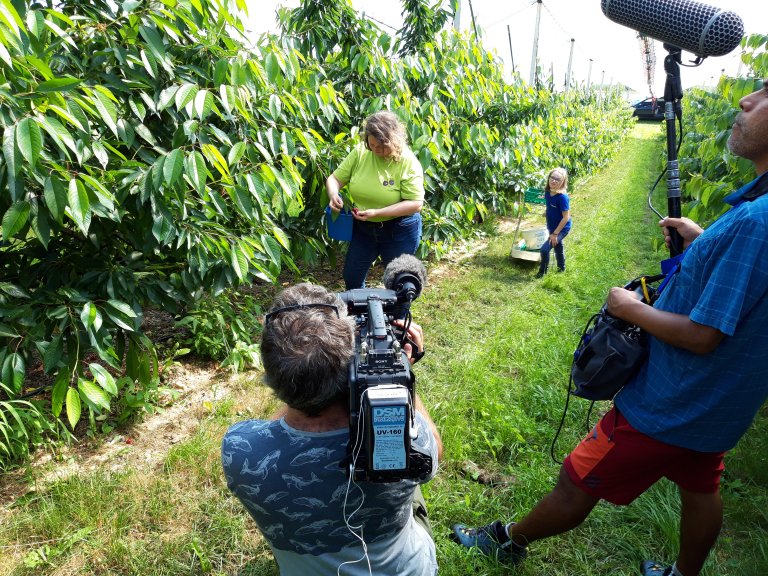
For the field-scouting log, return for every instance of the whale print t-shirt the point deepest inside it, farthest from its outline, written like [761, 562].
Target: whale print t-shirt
[293, 485]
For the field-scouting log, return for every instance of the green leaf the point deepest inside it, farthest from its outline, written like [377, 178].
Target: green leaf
[162, 227]
[100, 153]
[55, 197]
[185, 94]
[73, 407]
[138, 109]
[79, 205]
[235, 153]
[220, 72]
[15, 218]
[173, 166]
[53, 353]
[91, 317]
[8, 332]
[239, 261]
[228, 97]
[60, 134]
[126, 132]
[146, 134]
[13, 371]
[166, 97]
[150, 63]
[13, 290]
[29, 139]
[58, 84]
[104, 196]
[40, 224]
[93, 393]
[11, 152]
[203, 103]
[273, 67]
[197, 171]
[79, 115]
[120, 313]
[60, 388]
[104, 378]
[275, 107]
[107, 110]
[154, 40]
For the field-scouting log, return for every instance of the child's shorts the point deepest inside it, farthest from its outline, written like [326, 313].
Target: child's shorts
[617, 463]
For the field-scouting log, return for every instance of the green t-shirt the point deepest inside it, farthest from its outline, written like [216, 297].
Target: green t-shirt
[374, 182]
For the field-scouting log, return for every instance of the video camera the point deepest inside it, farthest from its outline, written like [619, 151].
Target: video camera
[382, 388]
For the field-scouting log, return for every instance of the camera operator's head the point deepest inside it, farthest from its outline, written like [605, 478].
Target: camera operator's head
[306, 346]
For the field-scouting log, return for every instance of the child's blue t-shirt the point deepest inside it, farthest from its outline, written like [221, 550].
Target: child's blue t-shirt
[556, 205]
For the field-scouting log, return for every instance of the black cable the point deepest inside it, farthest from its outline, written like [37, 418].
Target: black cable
[568, 395]
[664, 171]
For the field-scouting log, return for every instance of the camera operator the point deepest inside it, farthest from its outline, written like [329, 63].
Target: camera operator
[289, 471]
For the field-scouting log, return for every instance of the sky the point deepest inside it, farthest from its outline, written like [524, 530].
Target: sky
[603, 52]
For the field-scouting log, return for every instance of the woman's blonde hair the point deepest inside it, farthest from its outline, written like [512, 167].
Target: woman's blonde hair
[387, 129]
[563, 173]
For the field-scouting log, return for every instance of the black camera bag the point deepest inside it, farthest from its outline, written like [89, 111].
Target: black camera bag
[609, 354]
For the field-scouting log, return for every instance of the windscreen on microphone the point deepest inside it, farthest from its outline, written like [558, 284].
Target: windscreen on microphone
[692, 26]
[405, 275]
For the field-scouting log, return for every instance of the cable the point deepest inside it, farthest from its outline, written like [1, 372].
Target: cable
[664, 171]
[568, 396]
[356, 448]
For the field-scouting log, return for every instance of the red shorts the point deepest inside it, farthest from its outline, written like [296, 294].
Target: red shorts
[617, 463]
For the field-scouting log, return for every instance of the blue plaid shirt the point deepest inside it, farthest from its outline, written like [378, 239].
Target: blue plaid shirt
[707, 402]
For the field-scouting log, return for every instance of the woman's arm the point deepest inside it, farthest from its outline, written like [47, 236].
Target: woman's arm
[402, 208]
[332, 187]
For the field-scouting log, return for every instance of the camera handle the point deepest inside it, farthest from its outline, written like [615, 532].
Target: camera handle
[377, 321]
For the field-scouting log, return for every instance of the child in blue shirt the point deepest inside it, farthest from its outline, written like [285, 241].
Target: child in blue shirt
[558, 219]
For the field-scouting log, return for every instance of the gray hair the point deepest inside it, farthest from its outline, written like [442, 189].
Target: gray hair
[306, 347]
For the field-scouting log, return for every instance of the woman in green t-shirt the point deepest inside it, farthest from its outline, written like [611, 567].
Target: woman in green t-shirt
[385, 183]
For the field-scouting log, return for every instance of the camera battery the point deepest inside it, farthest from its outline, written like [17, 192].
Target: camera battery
[388, 408]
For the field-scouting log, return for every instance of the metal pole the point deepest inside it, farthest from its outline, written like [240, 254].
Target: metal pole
[457, 18]
[534, 55]
[589, 74]
[570, 62]
[512, 57]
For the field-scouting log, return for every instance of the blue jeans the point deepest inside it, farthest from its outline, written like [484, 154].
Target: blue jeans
[546, 248]
[373, 239]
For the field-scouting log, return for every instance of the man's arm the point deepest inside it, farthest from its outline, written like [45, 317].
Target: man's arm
[416, 334]
[674, 329]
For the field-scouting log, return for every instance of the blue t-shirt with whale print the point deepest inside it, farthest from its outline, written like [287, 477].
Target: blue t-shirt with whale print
[292, 484]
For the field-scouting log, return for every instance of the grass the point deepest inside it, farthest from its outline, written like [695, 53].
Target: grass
[499, 344]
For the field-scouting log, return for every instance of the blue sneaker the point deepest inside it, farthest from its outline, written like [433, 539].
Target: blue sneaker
[653, 568]
[492, 540]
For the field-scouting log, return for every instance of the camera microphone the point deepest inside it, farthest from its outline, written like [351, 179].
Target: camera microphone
[406, 276]
[692, 26]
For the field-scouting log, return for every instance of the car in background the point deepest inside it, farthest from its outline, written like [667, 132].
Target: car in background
[649, 109]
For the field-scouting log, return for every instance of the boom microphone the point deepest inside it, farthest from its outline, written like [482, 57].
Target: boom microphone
[405, 275]
[692, 26]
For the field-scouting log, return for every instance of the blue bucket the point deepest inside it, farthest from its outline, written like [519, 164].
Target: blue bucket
[339, 225]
